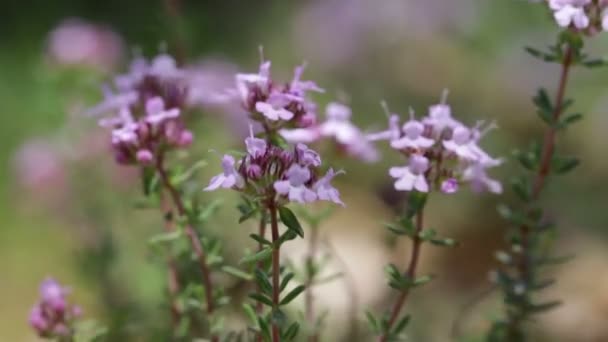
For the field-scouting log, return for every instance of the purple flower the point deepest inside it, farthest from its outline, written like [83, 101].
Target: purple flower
[295, 186]
[156, 113]
[246, 83]
[307, 156]
[37, 320]
[299, 87]
[412, 176]
[255, 147]
[439, 146]
[273, 112]
[476, 175]
[412, 137]
[461, 144]
[145, 157]
[228, 179]
[53, 295]
[52, 316]
[449, 186]
[301, 135]
[325, 191]
[77, 42]
[439, 118]
[393, 132]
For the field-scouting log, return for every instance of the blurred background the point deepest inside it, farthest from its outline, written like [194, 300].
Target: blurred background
[66, 208]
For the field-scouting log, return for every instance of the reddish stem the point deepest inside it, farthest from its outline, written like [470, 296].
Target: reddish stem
[192, 235]
[309, 295]
[547, 153]
[276, 254]
[259, 307]
[172, 275]
[411, 274]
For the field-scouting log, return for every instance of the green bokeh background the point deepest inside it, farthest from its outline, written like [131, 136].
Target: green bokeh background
[405, 56]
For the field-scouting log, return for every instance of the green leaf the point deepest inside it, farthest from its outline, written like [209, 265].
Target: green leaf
[373, 322]
[278, 317]
[237, 273]
[165, 237]
[292, 295]
[286, 280]
[262, 281]
[259, 256]
[565, 164]
[260, 239]
[292, 331]
[264, 328]
[209, 210]
[538, 308]
[251, 211]
[423, 280]
[401, 325]
[527, 159]
[570, 119]
[544, 106]
[184, 176]
[250, 313]
[547, 57]
[521, 187]
[445, 242]
[593, 63]
[291, 221]
[261, 298]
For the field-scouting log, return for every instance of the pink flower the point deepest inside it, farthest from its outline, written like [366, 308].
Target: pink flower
[295, 186]
[325, 191]
[228, 179]
[412, 137]
[77, 42]
[412, 176]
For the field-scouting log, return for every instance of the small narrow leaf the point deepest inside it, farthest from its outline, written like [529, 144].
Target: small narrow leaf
[237, 273]
[291, 221]
[292, 331]
[165, 237]
[292, 295]
[285, 280]
[259, 256]
[262, 281]
[261, 298]
[565, 164]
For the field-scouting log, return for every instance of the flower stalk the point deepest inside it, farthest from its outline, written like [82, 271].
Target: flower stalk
[410, 273]
[192, 236]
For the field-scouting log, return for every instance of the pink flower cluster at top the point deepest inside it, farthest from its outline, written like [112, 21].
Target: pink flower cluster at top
[287, 109]
[52, 316]
[145, 106]
[588, 15]
[275, 173]
[442, 153]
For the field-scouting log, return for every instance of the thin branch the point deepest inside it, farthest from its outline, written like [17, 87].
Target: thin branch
[411, 274]
[192, 235]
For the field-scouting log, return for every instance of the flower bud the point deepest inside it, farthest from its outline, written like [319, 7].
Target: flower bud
[144, 157]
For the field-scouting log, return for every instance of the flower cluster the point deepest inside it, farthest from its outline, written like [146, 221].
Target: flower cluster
[442, 153]
[339, 128]
[274, 104]
[146, 107]
[277, 174]
[588, 15]
[53, 316]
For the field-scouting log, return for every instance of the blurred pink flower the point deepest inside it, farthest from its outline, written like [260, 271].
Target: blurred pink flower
[39, 165]
[78, 42]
